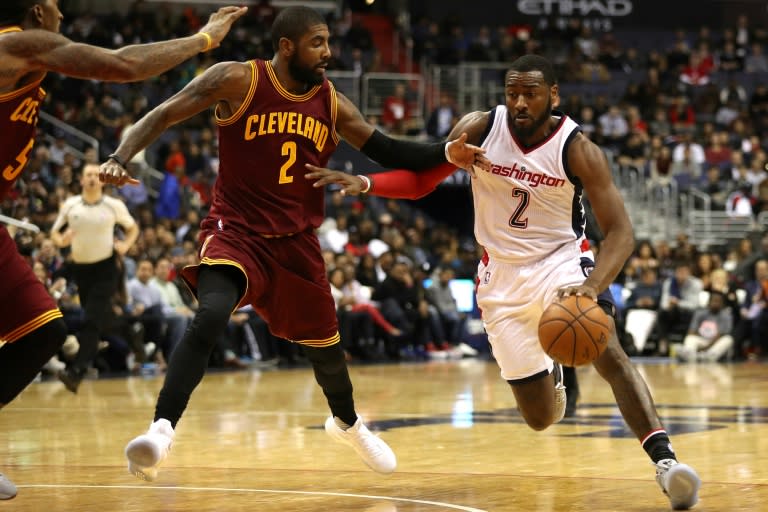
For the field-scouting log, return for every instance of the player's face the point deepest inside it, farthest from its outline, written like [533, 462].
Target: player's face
[310, 58]
[530, 101]
[49, 15]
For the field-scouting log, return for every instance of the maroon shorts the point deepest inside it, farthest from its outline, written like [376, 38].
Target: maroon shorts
[25, 304]
[286, 282]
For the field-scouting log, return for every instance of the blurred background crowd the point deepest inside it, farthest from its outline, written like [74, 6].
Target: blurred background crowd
[681, 114]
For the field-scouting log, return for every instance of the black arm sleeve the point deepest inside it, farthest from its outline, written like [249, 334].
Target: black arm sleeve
[404, 154]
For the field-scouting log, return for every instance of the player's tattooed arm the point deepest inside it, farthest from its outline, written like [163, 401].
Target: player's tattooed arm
[225, 84]
[42, 50]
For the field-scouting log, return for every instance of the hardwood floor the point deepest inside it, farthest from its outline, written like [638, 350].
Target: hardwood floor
[253, 441]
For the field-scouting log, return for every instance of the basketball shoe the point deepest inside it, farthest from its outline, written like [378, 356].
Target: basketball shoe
[7, 489]
[560, 397]
[372, 449]
[146, 452]
[679, 482]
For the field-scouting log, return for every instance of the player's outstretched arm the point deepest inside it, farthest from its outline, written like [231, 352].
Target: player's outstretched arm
[589, 164]
[41, 50]
[391, 152]
[224, 83]
[394, 184]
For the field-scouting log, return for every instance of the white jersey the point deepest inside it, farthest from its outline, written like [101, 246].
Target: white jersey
[527, 206]
[93, 226]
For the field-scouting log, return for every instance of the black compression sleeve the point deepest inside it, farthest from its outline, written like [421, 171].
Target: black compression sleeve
[404, 154]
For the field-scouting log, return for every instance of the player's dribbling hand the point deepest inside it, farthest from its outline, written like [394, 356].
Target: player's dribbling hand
[350, 185]
[112, 173]
[467, 156]
[220, 22]
[583, 290]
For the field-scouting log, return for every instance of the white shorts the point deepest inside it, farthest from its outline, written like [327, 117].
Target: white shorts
[512, 298]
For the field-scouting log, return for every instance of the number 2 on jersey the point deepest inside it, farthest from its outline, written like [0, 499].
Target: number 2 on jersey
[524, 198]
[289, 150]
[10, 171]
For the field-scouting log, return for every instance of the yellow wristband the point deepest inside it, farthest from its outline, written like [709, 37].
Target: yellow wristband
[208, 41]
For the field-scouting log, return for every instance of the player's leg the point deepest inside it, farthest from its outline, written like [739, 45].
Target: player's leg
[537, 398]
[679, 481]
[572, 387]
[301, 308]
[219, 289]
[20, 362]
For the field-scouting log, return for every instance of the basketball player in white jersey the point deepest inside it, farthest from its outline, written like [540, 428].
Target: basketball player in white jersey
[531, 222]
[90, 219]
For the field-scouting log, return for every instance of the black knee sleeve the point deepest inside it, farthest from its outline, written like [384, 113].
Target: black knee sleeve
[328, 360]
[21, 360]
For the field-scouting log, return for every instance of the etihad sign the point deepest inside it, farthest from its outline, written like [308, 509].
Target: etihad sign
[575, 7]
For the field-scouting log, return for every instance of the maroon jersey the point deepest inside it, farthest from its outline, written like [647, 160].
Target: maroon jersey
[18, 119]
[262, 151]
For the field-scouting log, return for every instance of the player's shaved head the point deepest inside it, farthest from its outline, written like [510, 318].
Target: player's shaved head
[293, 22]
[528, 63]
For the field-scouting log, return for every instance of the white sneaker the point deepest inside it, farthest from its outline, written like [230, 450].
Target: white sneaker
[146, 452]
[467, 350]
[7, 489]
[560, 397]
[372, 449]
[679, 482]
[54, 365]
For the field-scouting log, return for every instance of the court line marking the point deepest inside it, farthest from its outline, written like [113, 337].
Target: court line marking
[262, 491]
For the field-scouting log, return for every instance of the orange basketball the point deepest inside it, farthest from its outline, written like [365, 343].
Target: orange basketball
[574, 331]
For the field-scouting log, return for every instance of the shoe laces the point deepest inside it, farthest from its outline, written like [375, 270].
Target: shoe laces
[370, 442]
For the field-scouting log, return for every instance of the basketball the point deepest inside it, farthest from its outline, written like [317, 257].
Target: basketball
[574, 331]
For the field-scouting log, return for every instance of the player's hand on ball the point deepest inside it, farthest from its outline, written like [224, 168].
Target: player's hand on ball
[583, 290]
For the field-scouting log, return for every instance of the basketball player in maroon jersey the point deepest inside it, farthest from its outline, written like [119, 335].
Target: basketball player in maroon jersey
[528, 125]
[257, 243]
[31, 325]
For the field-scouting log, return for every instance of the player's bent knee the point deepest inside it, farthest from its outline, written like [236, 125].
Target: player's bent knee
[329, 359]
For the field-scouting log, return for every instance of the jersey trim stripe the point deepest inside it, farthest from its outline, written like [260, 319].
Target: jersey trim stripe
[321, 343]
[283, 91]
[334, 112]
[30, 326]
[18, 92]
[564, 157]
[528, 149]
[246, 102]
[487, 129]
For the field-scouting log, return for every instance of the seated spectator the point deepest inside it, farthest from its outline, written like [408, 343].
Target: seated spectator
[641, 308]
[452, 321]
[177, 314]
[442, 119]
[740, 202]
[396, 112]
[752, 338]
[709, 334]
[679, 299]
[715, 187]
[146, 303]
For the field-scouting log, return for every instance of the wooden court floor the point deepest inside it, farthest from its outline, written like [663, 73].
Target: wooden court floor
[251, 441]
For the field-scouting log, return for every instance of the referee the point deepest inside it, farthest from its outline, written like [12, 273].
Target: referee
[90, 220]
